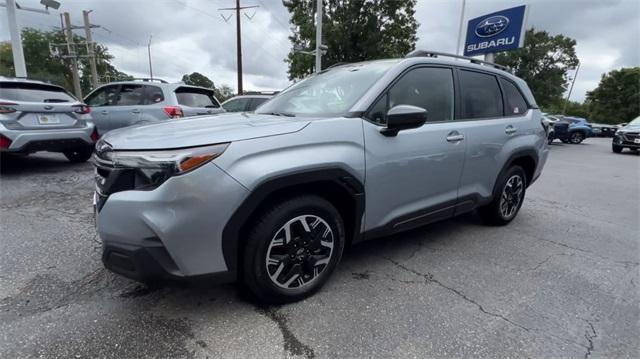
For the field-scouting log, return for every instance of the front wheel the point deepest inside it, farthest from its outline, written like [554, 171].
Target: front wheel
[79, 154]
[616, 148]
[292, 248]
[577, 137]
[507, 199]
[550, 138]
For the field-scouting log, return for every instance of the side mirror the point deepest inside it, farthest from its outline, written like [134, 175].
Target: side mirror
[404, 117]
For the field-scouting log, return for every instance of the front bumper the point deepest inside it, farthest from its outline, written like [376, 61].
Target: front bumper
[620, 140]
[173, 231]
[55, 140]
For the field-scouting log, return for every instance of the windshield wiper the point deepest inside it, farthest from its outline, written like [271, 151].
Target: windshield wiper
[286, 114]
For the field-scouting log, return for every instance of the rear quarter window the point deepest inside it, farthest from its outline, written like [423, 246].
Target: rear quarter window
[515, 103]
[193, 97]
[33, 92]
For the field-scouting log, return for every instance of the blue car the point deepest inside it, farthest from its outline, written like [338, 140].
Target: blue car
[579, 129]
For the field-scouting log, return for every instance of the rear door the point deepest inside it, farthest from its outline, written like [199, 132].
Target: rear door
[493, 115]
[38, 106]
[128, 106]
[197, 101]
[102, 101]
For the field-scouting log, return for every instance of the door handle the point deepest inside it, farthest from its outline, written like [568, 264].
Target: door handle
[455, 136]
[137, 110]
[104, 112]
[510, 130]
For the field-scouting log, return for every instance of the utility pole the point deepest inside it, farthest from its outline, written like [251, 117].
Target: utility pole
[464, 3]
[319, 8]
[91, 49]
[237, 9]
[566, 102]
[149, 53]
[72, 53]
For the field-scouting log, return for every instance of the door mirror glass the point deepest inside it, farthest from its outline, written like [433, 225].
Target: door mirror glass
[404, 117]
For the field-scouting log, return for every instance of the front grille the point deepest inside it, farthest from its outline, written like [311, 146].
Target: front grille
[631, 136]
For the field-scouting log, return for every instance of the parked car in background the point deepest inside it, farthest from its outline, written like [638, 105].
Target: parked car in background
[627, 137]
[578, 130]
[127, 103]
[603, 130]
[273, 197]
[36, 116]
[245, 103]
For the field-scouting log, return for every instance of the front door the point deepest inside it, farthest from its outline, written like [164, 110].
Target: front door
[412, 178]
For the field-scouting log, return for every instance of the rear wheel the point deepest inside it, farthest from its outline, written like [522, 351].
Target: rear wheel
[507, 199]
[576, 137]
[292, 249]
[616, 148]
[78, 154]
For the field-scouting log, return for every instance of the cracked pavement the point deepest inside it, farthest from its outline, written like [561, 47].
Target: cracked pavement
[560, 281]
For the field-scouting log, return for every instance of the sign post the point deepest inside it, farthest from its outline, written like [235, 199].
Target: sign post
[502, 30]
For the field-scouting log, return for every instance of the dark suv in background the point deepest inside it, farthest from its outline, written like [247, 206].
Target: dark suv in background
[127, 103]
[627, 137]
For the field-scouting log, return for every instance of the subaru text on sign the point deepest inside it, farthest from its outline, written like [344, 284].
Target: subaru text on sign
[499, 31]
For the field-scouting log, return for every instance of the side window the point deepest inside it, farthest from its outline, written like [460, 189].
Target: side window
[236, 105]
[256, 102]
[131, 95]
[378, 113]
[105, 96]
[481, 96]
[429, 87]
[515, 103]
[153, 94]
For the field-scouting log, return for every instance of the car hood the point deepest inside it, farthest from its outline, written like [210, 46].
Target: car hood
[629, 129]
[202, 130]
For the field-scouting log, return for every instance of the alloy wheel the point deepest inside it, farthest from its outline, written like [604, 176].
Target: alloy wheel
[511, 196]
[299, 252]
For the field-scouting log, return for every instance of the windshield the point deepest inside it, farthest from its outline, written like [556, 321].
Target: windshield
[330, 93]
[635, 122]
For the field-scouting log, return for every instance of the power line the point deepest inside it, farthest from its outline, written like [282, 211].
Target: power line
[286, 27]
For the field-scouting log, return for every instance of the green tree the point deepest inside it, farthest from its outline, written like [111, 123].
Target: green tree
[617, 97]
[223, 92]
[42, 65]
[197, 79]
[543, 63]
[353, 30]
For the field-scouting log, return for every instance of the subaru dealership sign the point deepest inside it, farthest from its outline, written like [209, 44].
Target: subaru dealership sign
[499, 31]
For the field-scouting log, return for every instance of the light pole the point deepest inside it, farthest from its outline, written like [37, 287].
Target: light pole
[149, 53]
[566, 102]
[464, 2]
[319, 7]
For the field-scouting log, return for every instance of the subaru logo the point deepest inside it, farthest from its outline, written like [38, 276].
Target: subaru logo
[492, 26]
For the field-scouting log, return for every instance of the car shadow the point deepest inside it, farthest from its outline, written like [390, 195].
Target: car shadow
[12, 164]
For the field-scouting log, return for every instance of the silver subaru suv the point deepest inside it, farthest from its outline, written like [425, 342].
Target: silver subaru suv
[37, 116]
[358, 151]
[143, 101]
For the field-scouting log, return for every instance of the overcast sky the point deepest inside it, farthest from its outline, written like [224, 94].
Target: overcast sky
[191, 35]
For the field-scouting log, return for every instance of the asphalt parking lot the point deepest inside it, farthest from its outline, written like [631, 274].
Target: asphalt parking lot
[560, 281]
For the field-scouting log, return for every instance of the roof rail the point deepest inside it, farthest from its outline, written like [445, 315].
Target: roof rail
[425, 53]
[146, 79]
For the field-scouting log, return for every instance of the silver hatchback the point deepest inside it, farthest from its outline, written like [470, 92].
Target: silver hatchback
[36, 116]
[128, 103]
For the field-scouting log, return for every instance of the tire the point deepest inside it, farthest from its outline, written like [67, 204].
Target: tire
[276, 270]
[79, 154]
[499, 213]
[616, 149]
[550, 138]
[576, 137]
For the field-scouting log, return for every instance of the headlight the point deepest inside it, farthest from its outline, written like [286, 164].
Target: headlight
[154, 167]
